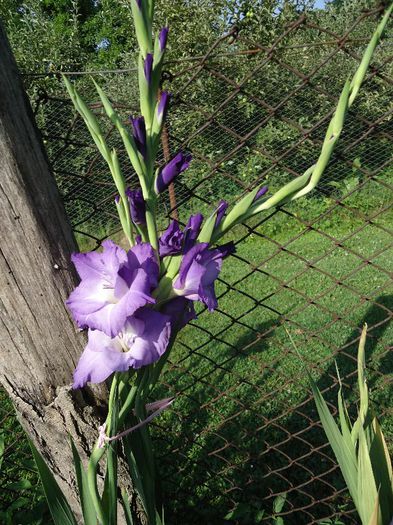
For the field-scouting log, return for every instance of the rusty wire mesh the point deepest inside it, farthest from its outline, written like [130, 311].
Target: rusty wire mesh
[244, 429]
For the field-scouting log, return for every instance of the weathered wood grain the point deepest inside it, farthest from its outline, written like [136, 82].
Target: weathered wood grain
[39, 343]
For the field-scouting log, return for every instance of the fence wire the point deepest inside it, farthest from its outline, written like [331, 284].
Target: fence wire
[243, 443]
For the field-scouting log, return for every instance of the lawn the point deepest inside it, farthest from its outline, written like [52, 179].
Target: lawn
[243, 389]
[242, 427]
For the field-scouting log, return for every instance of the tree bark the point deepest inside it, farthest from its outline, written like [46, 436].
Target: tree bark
[39, 344]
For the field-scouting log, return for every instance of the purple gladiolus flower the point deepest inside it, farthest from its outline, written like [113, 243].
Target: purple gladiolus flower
[198, 271]
[220, 211]
[177, 165]
[139, 134]
[114, 284]
[260, 192]
[181, 311]
[148, 67]
[139, 3]
[191, 231]
[137, 206]
[162, 107]
[171, 241]
[142, 341]
[162, 38]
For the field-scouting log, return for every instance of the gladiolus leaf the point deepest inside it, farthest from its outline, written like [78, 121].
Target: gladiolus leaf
[57, 502]
[89, 513]
[367, 491]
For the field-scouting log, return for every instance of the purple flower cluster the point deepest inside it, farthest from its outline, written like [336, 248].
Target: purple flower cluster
[112, 301]
[118, 299]
[115, 299]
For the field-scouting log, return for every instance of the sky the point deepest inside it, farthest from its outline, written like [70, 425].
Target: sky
[320, 3]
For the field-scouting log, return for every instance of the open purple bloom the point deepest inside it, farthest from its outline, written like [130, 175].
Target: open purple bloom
[198, 271]
[171, 241]
[148, 68]
[114, 284]
[177, 165]
[142, 255]
[261, 192]
[137, 206]
[191, 231]
[220, 211]
[162, 38]
[142, 341]
[181, 311]
[139, 134]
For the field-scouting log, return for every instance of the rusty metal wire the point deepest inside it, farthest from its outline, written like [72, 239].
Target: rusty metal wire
[244, 429]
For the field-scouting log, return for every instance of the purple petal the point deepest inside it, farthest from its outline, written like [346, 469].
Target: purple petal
[139, 134]
[113, 286]
[163, 104]
[148, 68]
[143, 340]
[143, 256]
[163, 37]
[177, 165]
[260, 192]
[156, 334]
[137, 206]
[171, 241]
[226, 249]
[220, 212]
[191, 231]
[106, 309]
[99, 264]
[181, 311]
[198, 271]
[99, 360]
[186, 262]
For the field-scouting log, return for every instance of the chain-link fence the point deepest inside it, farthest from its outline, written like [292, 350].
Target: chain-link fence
[243, 443]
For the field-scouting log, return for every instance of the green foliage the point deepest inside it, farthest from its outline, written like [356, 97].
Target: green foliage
[57, 502]
[360, 450]
[87, 506]
[22, 500]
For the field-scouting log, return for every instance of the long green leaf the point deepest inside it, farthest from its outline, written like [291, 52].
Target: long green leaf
[367, 490]
[375, 517]
[88, 511]
[345, 423]
[361, 377]
[126, 507]
[382, 470]
[57, 502]
[109, 496]
[343, 450]
[345, 454]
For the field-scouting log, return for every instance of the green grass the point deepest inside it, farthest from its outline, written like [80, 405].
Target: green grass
[22, 500]
[242, 389]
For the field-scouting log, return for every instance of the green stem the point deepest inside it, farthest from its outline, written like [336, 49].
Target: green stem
[151, 221]
[128, 403]
[97, 453]
[95, 457]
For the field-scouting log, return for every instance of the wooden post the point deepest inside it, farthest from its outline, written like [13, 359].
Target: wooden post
[39, 344]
